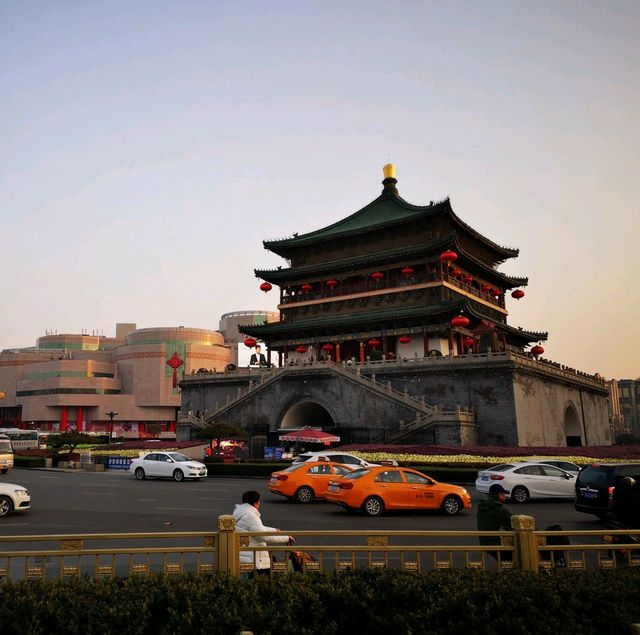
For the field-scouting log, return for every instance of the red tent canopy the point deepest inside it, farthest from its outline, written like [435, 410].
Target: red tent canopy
[309, 435]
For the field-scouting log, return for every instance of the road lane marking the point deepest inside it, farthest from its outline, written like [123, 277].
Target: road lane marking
[99, 493]
[148, 500]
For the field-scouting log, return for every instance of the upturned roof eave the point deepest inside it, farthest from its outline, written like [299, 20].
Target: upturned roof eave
[283, 246]
[394, 255]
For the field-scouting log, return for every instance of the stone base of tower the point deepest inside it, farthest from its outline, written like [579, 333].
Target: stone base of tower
[486, 399]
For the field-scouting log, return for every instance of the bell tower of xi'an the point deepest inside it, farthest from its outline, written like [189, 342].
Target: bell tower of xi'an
[393, 329]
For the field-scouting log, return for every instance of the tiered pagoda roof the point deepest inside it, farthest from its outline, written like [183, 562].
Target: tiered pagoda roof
[388, 210]
[382, 241]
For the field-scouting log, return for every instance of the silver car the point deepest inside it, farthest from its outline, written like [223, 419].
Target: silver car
[524, 480]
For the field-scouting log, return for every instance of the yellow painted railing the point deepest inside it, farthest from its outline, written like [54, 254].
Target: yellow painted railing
[175, 553]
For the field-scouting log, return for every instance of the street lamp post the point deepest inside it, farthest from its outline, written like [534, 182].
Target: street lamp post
[111, 414]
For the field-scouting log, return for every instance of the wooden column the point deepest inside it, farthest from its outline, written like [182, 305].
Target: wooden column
[337, 352]
[362, 352]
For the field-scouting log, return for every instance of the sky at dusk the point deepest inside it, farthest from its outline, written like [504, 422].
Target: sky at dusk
[147, 148]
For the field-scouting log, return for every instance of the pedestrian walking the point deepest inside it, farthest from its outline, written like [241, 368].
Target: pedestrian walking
[492, 515]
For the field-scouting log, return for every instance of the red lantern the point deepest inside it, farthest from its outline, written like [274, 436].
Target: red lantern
[373, 343]
[377, 275]
[497, 292]
[517, 294]
[332, 283]
[448, 256]
[404, 339]
[407, 271]
[301, 349]
[537, 350]
[250, 342]
[266, 287]
[468, 341]
[456, 273]
[327, 347]
[468, 279]
[307, 287]
[485, 288]
[460, 321]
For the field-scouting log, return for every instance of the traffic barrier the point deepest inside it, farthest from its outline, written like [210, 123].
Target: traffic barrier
[175, 553]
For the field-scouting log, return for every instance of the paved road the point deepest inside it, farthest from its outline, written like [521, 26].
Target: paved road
[114, 502]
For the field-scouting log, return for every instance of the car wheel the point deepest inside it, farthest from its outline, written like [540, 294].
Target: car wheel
[140, 475]
[304, 495]
[6, 505]
[178, 475]
[519, 494]
[373, 506]
[451, 505]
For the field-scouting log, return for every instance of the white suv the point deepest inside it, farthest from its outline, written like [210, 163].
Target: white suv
[338, 457]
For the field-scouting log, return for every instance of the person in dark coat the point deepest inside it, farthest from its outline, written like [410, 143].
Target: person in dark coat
[492, 515]
[257, 358]
[626, 502]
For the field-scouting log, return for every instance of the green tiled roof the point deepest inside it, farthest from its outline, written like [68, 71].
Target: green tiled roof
[391, 256]
[383, 212]
[385, 318]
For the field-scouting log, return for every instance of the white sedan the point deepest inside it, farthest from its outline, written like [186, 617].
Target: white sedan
[13, 498]
[528, 480]
[167, 465]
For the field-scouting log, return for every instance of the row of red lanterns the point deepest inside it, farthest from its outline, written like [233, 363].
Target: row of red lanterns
[457, 321]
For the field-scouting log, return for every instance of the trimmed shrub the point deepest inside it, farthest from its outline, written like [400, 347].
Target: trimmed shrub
[21, 460]
[373, 602]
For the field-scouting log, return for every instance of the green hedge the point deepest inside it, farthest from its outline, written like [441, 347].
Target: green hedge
[373, 602]
[448, 474]
[244, 469]
[28, 461]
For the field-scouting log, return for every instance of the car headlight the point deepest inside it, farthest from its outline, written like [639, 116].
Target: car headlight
[21, 492]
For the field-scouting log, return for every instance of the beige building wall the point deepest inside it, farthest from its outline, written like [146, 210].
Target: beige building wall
[79, 378]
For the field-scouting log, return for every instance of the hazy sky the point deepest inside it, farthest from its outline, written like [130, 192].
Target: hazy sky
[148, 147]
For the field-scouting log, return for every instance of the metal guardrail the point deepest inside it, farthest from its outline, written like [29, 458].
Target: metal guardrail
[175, 553]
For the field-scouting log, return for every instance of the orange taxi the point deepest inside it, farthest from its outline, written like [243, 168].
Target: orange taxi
[302, 482]
[377, 489]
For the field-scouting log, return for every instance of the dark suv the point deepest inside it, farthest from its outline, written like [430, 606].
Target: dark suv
[595, 485]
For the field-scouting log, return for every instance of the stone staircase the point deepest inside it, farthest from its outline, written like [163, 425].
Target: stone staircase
[426, 415]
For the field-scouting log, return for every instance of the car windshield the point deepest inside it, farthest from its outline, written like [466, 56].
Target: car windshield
[357, 474]
[179, 458]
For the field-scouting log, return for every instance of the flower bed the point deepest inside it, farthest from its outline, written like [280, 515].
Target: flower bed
[490, 455]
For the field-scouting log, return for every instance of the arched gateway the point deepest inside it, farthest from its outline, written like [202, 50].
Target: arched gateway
[572, 428]
[306, 413]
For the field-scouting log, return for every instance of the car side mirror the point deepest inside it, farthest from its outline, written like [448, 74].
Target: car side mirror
[569, 476]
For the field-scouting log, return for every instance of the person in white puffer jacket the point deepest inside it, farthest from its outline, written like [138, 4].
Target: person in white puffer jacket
[248, 518]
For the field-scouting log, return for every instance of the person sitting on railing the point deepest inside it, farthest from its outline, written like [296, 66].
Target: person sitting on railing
[248, 518]
[492, 515]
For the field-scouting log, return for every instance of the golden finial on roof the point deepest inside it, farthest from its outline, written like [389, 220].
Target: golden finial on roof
[389, 171]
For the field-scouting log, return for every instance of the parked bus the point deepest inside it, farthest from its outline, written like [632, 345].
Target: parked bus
[6, 453]
[22, 439]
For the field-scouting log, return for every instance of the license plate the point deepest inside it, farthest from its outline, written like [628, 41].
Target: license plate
[332, 488]
[484, 478]
[590, 494]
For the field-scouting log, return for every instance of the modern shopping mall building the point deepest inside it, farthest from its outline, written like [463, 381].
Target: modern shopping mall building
[126, 385]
